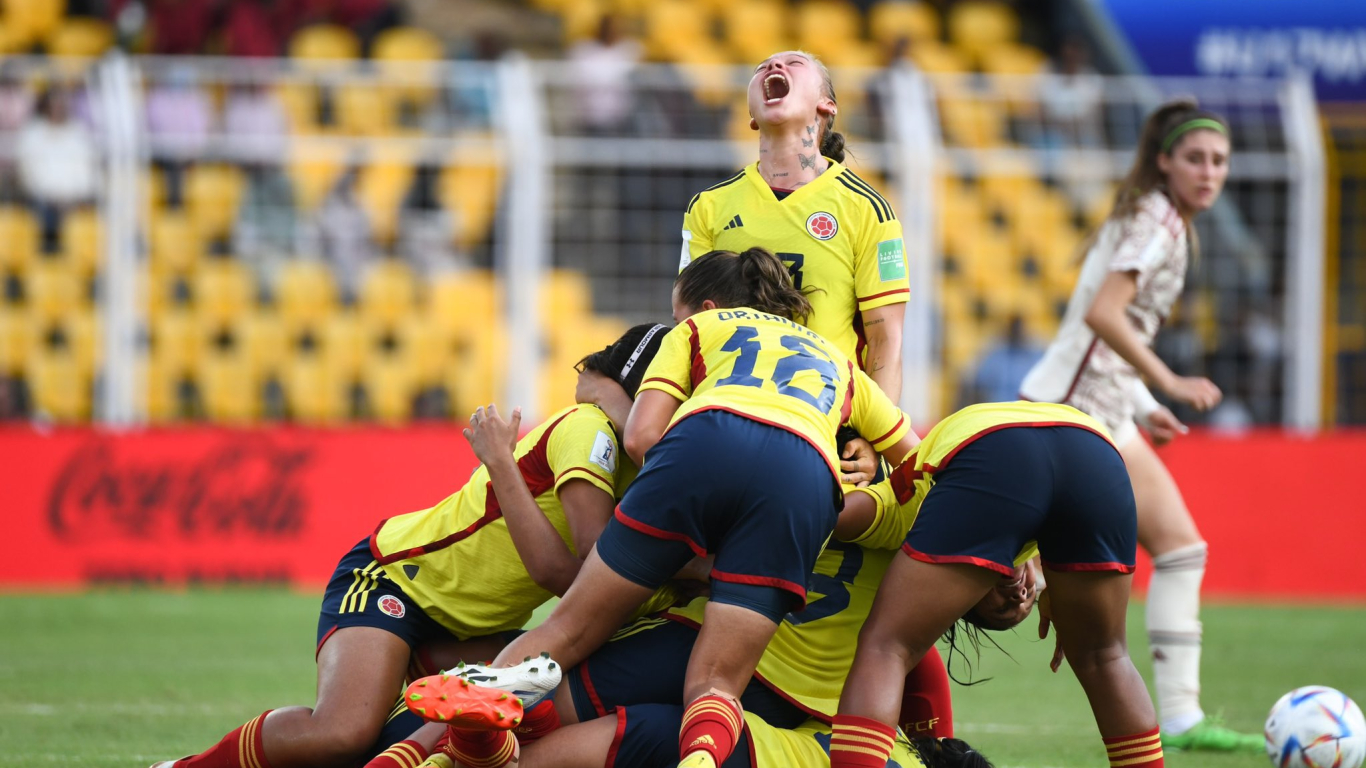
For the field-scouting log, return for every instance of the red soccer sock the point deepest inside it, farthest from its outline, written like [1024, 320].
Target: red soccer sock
[405, 754]
[537, 722]
[927, 702]
[711, 724]
[860, 742]
[1141, 750]
[482, 749]
[240, 749]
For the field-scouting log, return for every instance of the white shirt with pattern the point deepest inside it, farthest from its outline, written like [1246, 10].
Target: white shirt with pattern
[1080, 369]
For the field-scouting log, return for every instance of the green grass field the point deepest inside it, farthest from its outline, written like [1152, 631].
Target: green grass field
[123, 678]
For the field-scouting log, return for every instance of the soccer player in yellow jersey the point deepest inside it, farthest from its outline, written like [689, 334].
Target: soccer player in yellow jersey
[474, 565]
[986, 483]
[738, 414]
[838, 237]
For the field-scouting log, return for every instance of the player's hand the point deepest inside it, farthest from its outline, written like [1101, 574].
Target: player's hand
[1196, 391]
[1045, 608]
[858, 464]
[590, 388]
[1163, 426]
[492, 438]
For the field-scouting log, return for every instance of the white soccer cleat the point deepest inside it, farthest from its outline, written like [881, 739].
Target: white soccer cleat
[530, 681]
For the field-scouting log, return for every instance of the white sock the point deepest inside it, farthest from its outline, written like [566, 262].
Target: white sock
[1174, 635]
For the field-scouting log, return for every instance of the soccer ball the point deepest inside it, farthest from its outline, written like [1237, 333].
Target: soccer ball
[1316, 727]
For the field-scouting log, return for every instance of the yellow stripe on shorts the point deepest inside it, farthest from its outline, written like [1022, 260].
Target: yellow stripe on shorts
[365, 581]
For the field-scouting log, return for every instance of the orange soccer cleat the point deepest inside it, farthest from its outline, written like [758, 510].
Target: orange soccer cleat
[458, 702]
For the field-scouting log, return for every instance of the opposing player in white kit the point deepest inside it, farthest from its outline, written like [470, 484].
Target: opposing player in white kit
[1131, 277]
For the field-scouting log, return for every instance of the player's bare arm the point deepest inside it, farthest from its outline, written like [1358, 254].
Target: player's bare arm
[882, 330]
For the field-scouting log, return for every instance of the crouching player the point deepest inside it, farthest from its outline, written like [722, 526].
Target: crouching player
[473, 566]
[989, 480]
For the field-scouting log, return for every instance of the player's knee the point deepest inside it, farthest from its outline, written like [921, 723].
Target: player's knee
[1096, 658]
[338, 741]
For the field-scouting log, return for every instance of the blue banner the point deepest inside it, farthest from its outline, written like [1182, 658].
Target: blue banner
[1256, 38]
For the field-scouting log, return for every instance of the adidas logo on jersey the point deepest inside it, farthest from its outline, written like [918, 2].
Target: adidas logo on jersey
[734, 223]
[703, 739]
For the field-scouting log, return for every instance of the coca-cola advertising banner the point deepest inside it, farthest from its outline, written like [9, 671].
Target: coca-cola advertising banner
[1284, 516]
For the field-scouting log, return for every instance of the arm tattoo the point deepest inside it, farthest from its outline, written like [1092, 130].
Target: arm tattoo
[807, 162]
[867, 323]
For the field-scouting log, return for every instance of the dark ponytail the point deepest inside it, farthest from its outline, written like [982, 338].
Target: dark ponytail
[832, 141]
[947, 753]
[754, 278]
[832, 144]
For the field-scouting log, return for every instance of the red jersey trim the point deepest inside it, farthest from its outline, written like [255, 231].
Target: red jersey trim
[916, 554]
[586, 678]
[1089, 567]
[659, 533]
[847, 407]
[862, 299]
[761, 581]
[698, 372]
[581, 469]
[535, 470]
[326, 637]
[616, 739]
[892, 431]
[670, 382]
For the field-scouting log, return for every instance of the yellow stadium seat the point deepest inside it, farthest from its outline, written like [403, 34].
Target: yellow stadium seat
[475, 373]
[579, 20]
[936, 58]
[224, 291]
[365, 109]
[424, 346]
[162, 391]
[175, 342]
[380, 191]
[324, 45]
[18, 239]
[973, 122]
[14, 341]
[60, 387]
[53, 290]
[755, 29]
[470, 191]
[82, 235]
[390, 382]
[388, 292]
[565, 293]
[29, 21]
[305, 294]
[175, 243]
[978, 25]
[914, 20]
[213, 194]
[344, 345]
[672, 25]
[300, 103]
[463, 302]
[826, 26]
[227, 388]
[313, 171]
[80, 36]
[313, 394]
[407, 44]
[263, 339]
[1012, 59]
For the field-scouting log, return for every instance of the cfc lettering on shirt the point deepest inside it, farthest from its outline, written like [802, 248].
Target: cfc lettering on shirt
[685, 258]
[741, 314]
[891, 260]
[604, 452]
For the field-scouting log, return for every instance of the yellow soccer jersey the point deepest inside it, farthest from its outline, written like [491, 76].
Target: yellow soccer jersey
[835, 234]
[775, 371]
[457, 559]
[808, 746]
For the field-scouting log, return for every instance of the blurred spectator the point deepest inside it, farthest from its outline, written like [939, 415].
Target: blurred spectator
[425, 226]
[343, 235]
[1071, 102]
[602, 69]
[1000, 371]
[897, 58]
[265, 235]
[16, 106]
[14, 398]
[57, 163]
[251, 28]
[179, 117]
[254, 119]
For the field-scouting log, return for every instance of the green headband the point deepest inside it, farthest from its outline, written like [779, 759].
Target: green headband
[1191, 125]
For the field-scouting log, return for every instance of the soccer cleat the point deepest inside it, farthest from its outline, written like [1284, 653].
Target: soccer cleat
[532, 680]
[458, 702]
[698, 760]
[1209, 735]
